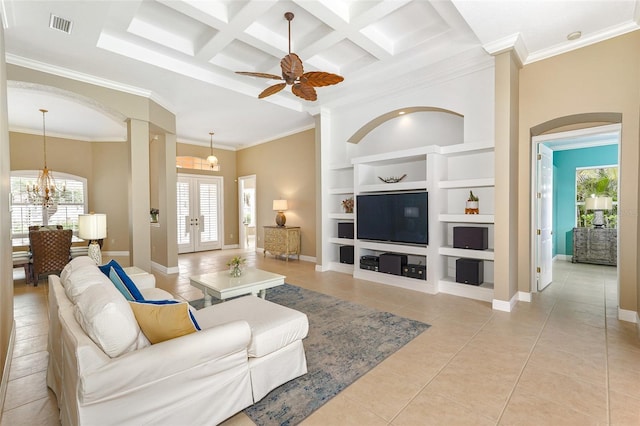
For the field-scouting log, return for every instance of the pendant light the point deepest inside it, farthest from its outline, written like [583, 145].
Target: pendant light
[212, 159]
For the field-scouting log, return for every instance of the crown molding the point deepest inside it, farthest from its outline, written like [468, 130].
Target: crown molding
[87, 78]
[583, 41]
[513, 42]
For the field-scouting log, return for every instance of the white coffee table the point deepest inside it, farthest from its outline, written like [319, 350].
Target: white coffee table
[222, 286]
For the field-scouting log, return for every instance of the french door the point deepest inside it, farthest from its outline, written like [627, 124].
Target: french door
[199, 213]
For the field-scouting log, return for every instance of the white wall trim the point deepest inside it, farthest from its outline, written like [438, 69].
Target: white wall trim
[311, 259]
[320, 268]
[7, 367]
[165, 270]
[501, 305]
[629, 316]
[115, 253]
[524, 296]
[230, 246]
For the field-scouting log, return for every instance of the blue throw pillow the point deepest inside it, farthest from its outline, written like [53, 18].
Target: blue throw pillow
[115, 279]
[128, 283]
[171, 302]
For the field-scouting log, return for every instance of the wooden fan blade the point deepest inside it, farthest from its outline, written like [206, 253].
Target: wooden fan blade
[260, 74]
[272, 90]
[291, 67]
[319, 79]
[304, 91]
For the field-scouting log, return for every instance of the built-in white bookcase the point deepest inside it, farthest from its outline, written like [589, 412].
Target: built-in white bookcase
[447, 173]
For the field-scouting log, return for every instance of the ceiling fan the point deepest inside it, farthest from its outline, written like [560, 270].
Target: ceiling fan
[302, 83]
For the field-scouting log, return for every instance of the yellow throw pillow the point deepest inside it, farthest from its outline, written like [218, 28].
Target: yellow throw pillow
[163, 322]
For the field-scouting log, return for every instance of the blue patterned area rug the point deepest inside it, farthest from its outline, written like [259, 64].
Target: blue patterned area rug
[345, 341]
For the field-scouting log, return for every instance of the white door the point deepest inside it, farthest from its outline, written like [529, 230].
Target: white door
[544, 267]
[199, 213]
[247, 210]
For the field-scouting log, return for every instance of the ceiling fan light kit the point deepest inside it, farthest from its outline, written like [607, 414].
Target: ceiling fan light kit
[302, 83]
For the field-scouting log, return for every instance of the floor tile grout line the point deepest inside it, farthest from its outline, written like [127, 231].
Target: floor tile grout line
[445, 366]
[533, 348]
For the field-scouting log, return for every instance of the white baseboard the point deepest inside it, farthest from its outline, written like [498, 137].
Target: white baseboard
[7, 367]
[629, 316]
[501, 305]
[230, 246]
[524, 296]
[565, 257]
[124, 253]
[163, 269]
[319, 268]
[311, 259]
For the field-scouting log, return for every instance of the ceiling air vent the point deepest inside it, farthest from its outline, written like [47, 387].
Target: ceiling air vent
[58, 23]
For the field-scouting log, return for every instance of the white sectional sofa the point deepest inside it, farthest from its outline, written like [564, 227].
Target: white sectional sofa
[104, 370]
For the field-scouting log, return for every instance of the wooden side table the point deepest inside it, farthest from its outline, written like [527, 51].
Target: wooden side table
[282, 241]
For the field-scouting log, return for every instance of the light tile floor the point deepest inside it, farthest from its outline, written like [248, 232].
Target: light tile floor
[562, 359]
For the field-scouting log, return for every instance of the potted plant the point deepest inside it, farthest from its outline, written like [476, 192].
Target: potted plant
[472, 205]
[154, 215]
[235, 266]
[347, 205]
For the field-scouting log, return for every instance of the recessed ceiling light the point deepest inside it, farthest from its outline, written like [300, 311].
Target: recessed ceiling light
[401, 113]
[574, 35]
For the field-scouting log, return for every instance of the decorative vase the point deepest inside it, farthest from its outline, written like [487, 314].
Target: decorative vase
[235, 271]
[472, 207]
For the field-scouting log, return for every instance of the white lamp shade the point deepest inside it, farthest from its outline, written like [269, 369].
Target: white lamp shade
[92, 226]
[280, 205]
[598, 203]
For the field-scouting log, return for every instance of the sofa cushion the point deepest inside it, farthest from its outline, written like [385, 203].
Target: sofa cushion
[272, 326]
[73, 265]
[126, 280]
[107, 319]
[155, 293]
[162, 320]
[82, 278]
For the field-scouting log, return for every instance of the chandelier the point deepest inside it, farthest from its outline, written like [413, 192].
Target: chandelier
[45, 192]
[212, 159]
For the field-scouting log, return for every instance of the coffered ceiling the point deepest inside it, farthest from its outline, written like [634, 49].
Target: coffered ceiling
[183, 54]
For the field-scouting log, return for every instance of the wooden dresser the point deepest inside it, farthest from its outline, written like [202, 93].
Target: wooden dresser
[595, 245]
[282, 240]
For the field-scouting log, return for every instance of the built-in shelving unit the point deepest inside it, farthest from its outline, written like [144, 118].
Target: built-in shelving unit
[447, 173]
[467, 167]
[341, 188]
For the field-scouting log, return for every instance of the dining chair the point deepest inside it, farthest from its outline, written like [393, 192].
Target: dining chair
[50, 251]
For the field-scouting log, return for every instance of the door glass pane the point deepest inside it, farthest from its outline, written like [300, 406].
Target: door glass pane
[183, 212]
[208, 212]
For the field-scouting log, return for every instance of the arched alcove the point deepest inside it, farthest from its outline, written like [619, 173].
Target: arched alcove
[378, 121]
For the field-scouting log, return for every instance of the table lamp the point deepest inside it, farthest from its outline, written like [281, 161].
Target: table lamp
[598, 204]
[93, 227]
[280, 206]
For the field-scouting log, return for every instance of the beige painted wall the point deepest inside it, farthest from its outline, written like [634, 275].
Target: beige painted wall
[285, 168]
[227, 161]
[104, 166]
[506, 178]
[6, 267]
[604, 77]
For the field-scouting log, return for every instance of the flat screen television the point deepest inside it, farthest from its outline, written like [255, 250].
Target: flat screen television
[393, 217]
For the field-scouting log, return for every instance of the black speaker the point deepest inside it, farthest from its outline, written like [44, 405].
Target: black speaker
[345, 230]
[471, 237]
[470, 271]
[346, 254]
[392, 263]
